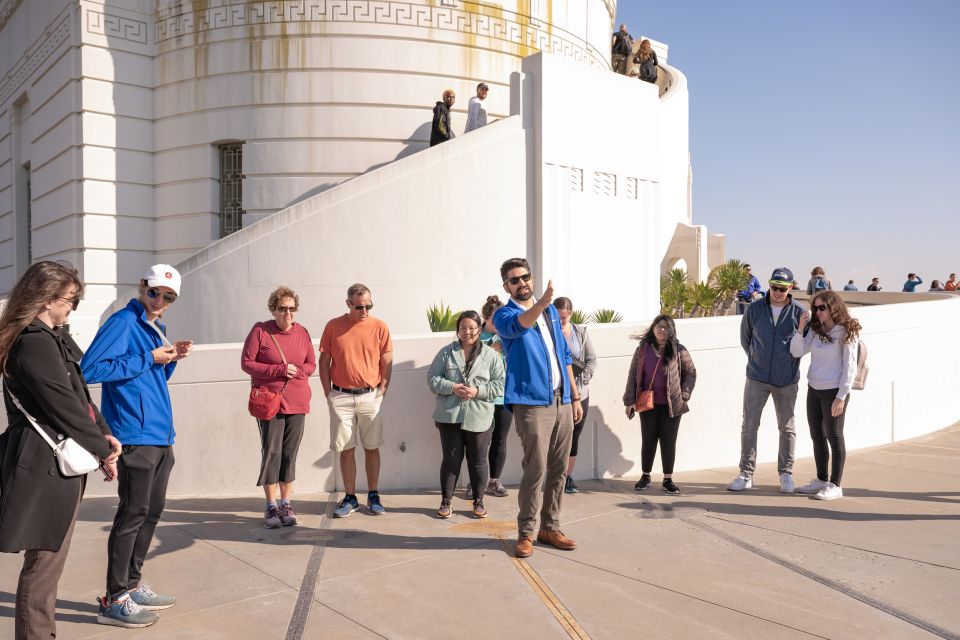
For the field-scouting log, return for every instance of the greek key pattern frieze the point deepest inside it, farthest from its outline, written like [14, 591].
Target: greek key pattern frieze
[34, 58]
[113, 26]
[516, 29]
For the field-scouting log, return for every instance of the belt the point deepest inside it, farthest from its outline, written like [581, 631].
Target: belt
[355, 392]
[558, 392]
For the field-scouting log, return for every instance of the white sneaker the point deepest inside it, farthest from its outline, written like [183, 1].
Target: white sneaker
[740, 483]
[829, 492]
[786, 483]
[814, 486]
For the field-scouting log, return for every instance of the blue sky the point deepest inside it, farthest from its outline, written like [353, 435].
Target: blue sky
[822, 133]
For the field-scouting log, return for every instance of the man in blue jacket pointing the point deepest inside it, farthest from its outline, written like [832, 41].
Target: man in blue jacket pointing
[132, 359]
[541, 393]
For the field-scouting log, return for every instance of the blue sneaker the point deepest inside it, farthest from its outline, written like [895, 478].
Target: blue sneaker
[348, 505]
[150, 600]
[373, 503]
[124, 612]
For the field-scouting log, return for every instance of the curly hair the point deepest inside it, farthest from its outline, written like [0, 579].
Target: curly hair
[838, 313]
[490, 306]
[280, 293]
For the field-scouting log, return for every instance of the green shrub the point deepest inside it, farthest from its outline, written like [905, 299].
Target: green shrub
[441, 318]
[603, 316]
[579, 317]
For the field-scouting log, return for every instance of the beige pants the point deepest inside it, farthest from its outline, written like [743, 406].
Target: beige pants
[353, 418]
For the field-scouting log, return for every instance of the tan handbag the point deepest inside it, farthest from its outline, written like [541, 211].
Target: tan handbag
[645, 396]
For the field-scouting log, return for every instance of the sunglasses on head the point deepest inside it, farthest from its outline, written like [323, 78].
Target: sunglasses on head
[363, 307]
[167, 296]
[780, 289]
[819, 307]
[516, 279]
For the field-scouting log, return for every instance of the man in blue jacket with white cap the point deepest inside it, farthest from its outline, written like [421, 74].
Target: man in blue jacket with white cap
[132, 359]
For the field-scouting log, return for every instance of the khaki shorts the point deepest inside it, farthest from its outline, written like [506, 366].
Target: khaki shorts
[353, 417]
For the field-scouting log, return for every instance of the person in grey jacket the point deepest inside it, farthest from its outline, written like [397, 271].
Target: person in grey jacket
[765, 333]
[584, 366]
[466, 376]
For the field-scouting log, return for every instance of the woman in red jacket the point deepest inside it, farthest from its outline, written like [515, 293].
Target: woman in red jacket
[278, 355]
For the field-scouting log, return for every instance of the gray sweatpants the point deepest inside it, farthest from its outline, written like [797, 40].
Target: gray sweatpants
[755, 396]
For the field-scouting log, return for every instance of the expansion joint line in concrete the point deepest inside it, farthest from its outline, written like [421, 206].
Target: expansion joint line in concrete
[301, 610]
[546, 594]
[827, 582]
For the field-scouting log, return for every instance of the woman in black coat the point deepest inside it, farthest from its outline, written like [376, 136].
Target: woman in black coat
[38, 504]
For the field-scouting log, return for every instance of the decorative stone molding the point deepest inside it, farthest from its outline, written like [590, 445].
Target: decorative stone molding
[604, 184]
[7, 7]
[517, 29]
[30, 61]
[113, 26]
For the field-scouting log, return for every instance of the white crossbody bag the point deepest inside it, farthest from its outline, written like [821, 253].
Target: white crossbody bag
[72, 458]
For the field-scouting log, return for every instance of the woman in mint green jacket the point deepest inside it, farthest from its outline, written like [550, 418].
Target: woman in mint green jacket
[466, 376]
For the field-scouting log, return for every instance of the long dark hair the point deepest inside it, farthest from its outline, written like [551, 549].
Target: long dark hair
[671, 348]
[838, 313]
[470, 314]
[43, 282]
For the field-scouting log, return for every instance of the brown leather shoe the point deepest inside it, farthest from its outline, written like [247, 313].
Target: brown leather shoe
[556, 539]
[524, 547]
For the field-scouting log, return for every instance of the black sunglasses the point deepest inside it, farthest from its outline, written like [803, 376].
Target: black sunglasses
[167, 296]
[74, 302]
[780, 289]
[819, 307]
[361, 307]
[516, 279]
[285, 309]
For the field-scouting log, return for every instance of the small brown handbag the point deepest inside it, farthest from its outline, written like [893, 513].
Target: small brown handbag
[263, 403]
[645, 397]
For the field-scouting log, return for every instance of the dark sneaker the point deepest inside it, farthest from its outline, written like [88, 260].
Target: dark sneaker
[373, 504]
[643, 483]
[288, 517]
[151, 600]
[570, 486]
[271, 518]
[347, 506]
[124, 612]
[496, 488]
[669, 487]
[445, 511]
[478, 510]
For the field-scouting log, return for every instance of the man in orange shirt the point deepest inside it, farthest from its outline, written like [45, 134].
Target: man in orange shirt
[951, 284]
[356, 360]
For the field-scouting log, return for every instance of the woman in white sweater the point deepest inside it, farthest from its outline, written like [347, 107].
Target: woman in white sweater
[832, 345]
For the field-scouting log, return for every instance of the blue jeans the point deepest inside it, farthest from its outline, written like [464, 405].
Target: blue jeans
[755, 396]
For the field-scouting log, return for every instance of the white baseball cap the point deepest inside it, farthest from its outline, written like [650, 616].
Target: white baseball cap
[163, 275]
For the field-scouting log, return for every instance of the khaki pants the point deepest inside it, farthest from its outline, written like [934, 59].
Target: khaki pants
[546, 434]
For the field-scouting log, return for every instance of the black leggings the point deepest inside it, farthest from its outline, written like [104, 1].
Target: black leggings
[498, 443]
[453, 441]
[827, 433]
[578, 428]
[657, 425]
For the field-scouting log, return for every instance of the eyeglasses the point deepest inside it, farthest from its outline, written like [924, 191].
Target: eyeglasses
[167, 296]
[661, 327]
[287, 309]
[516, 279]
[363, 307]
[779, 289]
[74, 302]
[819, 307]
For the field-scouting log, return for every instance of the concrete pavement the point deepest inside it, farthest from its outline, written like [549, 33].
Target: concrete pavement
[883, 562]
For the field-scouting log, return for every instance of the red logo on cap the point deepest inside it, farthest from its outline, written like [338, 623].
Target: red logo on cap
[168, 275]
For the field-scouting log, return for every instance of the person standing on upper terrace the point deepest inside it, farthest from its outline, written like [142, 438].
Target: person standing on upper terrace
[356, 361]
[850, 286]
[476, 112]
[874, 285]
[440, 130]
[622, 49]
[765, 333]
[912, 281]
[647, 59]
[951, 284]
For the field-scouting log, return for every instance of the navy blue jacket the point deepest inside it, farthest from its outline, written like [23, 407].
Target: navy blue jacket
[768, 346]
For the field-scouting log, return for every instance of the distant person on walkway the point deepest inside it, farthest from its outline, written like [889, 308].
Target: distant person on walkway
[753, 291]
[850, 286]
[502, 418]
[466, 376]
[874, 285]
[476, 112]
[832, 345]
[622, 48]
[936, 285]
[38, 504]
[818, 281]
[541, 391]
[278, 356]
[356, 361]
[951, 283]
[133, 360]
[912, 281]
[584, 366]
[664, 365]
[765, 333]
[647, 59]
[441, 130]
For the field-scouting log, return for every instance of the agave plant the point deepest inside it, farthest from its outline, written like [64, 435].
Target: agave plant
[702, 296]
[579, 317]
[674, 292]
[603, 316]
[441, 318]
[727, 279]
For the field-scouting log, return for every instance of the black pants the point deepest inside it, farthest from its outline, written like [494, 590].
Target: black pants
[827, 433]
[498, 442]
[279, 443]
[142, 475]
[578, 427]
[656, 425]
[453, 441]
